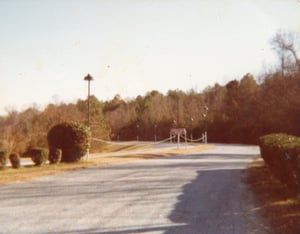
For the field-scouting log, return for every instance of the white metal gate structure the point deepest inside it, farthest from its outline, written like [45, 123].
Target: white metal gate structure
[178, 132]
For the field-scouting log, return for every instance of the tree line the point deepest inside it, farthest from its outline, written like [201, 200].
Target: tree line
[238, 112]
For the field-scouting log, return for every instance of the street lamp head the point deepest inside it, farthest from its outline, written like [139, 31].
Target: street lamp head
[88, 77]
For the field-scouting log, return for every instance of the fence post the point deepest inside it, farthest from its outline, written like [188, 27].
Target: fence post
[298, 175]
[87, 154]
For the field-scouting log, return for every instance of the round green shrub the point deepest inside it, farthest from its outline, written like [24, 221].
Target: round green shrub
[281, 152]
[38, 155]
[72, 138]
[3, 159]
[14, 159]
[55, 155]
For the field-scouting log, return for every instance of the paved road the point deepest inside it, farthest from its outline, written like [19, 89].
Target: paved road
[198, 193]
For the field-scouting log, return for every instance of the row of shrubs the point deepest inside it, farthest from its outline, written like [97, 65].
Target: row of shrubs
[13, 158]
[68, 142]
[39, 156]
[281, 152]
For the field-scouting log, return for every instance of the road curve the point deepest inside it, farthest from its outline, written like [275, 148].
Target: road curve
[197, 193]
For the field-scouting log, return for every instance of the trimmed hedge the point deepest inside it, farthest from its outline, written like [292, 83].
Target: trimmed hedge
[38, 155]
[55, 155]
[3, 159]
[281, 152]
[72, 138]
[14, 159]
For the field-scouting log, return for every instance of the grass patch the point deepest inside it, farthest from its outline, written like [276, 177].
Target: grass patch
[281, 210]
[108, 148]
[27, 173]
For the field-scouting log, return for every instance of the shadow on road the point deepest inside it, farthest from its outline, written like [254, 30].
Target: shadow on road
[216, 202]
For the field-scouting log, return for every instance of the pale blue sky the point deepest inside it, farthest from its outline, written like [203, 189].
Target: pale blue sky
[132, 46]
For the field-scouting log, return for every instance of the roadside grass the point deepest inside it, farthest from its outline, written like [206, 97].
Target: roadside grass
[26, 173]
[278, 207]
[109, 148]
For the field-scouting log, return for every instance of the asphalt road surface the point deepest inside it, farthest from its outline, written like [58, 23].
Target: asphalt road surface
[197, 193]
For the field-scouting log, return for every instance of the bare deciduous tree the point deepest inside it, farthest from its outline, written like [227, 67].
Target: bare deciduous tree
[284, 43]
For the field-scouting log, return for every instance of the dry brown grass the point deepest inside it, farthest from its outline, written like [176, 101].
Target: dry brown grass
[108, 148]
[278, 207]
[26, 173]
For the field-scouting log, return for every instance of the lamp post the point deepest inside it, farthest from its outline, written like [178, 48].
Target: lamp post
[155, 126]
[192, 120]
[88, 78]
[137, 132]
[205, 108]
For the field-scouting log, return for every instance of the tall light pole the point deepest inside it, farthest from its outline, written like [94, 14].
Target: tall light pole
[88, 78]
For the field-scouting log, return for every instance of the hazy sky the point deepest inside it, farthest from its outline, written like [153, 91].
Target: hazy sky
[132, 46]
